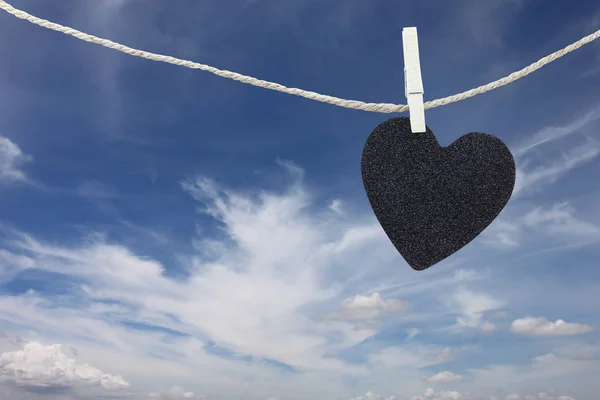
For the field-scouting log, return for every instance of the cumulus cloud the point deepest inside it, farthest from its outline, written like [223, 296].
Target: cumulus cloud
[431, 394]
[40, 366]
[373, 396]
[445, 376]
[546, 396]
[11, 157]
[175, 393]
[367, 307]
[543, 327]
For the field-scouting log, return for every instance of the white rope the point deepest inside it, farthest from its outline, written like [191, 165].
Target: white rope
[354, 104]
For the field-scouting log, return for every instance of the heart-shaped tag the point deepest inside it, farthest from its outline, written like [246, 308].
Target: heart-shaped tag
[431, 200]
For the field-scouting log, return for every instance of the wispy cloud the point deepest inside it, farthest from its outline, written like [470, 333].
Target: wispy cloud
[12, 264]
[472, 307]
[530, 179]
[541, 161]
[551, 133]
[261, 286]
[543, 369]
[264, 294]
[288, 294]
[487, 20]
[257, 306]
[105, 16]
[97, 190]
[560, 220]
[11, 159]
[337, 207]
[412, 356]
[534, 171]
[411, 333]
[541, 228]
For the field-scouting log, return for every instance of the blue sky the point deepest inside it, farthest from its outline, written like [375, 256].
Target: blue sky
[169, 234]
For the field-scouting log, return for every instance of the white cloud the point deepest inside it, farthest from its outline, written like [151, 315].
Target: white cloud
[575, 376]
[487, 20]
[96, 190]
[552, 227]
[542, 160]
[11, 264]
[560, 220]
[367, 307]
[445, 376]
[539, 396]
[11, 157]
[373, 396]
[551, 134]
[411, 333]
[262, 292]
[547, 396]
[488, 327]
[472, 306]
[578, 350]
[48, 366]
[411, 356]
[275, 269]
[529, 179]
[175, 393]
[337, 207]
[543, 327]
[431, 394]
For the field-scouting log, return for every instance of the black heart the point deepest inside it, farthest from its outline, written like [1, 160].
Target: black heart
[431, 200]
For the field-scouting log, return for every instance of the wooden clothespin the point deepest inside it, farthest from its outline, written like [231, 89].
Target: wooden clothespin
[413, 83]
